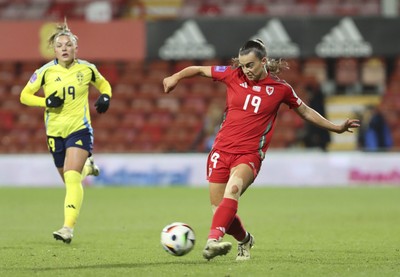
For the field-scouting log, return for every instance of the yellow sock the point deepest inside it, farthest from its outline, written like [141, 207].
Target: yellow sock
[73, 197]
[85, 171]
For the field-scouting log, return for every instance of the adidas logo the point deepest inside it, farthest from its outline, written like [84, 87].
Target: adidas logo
[243, 85]
[58, 79]
[344, 40]
[79, 142]
[71, 206]
[188, 42]
[222, 229]
[277, 40]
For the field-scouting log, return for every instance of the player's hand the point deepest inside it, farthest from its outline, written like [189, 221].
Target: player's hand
[53, 101]
[169, 83]
[348, 125]
[102, 103]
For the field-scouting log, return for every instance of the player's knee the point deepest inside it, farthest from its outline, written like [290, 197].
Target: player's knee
[234, 189]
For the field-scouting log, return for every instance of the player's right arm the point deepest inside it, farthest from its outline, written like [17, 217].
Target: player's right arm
[190, 71]
[28, 96]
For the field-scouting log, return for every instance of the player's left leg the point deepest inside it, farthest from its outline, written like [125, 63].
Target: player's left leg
[244, 247]
[242, 176]
[236, 229]
[90, 168]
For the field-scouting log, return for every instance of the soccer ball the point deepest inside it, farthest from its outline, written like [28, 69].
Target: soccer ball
[177, 238]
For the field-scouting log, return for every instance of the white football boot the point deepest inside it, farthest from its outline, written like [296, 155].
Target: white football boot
[65, 234]
[244, 249]
[215, 248]
[93, 168]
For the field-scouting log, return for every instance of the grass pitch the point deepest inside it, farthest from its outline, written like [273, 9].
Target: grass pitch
[298, 231]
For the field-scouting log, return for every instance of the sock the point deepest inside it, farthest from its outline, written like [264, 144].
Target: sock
[85, 171]
[236, 229]
[73, 197]
[223, 217]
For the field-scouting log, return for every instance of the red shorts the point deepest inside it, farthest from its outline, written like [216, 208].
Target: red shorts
[219, 164]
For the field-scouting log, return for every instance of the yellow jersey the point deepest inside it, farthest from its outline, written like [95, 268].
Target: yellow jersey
[72, 85]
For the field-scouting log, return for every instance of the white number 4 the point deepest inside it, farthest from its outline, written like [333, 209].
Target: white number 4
[255, 102]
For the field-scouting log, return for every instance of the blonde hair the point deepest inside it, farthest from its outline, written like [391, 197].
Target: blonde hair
[257, 46]
[62, 30]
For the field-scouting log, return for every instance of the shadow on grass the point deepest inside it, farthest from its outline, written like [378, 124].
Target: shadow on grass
[108, 266]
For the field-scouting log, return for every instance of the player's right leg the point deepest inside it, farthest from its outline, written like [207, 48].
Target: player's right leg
[221, 220]
[71, 156]
[215, 248]
[57, 149]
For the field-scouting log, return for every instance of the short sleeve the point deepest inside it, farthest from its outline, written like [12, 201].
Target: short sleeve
[221, 73]
[291, 98]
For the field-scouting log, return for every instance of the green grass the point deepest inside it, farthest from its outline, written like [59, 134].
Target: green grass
[298, 231]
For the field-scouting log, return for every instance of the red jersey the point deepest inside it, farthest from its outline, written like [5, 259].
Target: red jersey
[251, 110]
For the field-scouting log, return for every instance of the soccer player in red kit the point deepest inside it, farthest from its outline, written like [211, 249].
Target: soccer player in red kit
[254, 94]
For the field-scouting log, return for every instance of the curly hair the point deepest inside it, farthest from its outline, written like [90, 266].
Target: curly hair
[257, 46]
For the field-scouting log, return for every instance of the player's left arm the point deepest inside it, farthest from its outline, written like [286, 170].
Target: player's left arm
[103, 102]
[314, 117]
[102, 84]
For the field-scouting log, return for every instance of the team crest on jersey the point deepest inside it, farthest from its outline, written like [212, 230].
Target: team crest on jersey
[79, 77]
[269, 90]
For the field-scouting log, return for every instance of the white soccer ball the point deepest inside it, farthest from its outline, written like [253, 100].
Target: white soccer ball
[178, 238]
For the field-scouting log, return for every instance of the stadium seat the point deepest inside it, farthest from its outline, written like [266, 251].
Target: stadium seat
[195, 104]
[7, 73]
[60, 9]
[110, 71]
[347, 76]
[6, 121]
[124, 91]
[373, 75]
[317, 68]
[255, 7]
[205, 90]
[169, 103]
[210, 8]
[132, 72]
[140, 110]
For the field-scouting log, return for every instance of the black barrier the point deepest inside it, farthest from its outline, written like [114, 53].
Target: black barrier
[286, 38]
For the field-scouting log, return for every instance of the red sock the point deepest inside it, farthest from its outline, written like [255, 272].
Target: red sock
[223, 217]
[236, 229]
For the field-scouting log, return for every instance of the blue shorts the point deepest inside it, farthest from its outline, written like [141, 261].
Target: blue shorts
[58, 146]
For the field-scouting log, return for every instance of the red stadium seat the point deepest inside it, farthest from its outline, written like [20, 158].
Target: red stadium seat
[317, 68]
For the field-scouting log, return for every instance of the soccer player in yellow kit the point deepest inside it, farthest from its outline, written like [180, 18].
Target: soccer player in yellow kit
[65, 82]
